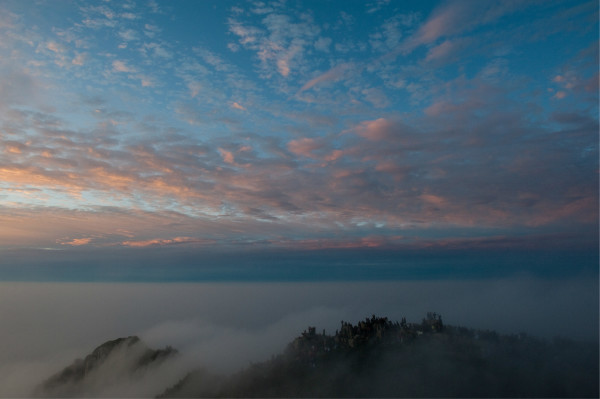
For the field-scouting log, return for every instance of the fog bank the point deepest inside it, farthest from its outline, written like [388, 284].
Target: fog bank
[225, 326]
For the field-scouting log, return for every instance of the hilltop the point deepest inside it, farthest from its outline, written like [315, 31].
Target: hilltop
[114, 363]
[375, 357]
[380, 358]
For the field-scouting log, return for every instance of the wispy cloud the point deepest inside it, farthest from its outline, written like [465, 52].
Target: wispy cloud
[166, 241]
[121, 66]
[78, 241]
[333, 74]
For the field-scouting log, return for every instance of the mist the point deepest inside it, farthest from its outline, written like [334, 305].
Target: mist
[224, 327]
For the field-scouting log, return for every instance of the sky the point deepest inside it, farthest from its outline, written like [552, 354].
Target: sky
[297, 140]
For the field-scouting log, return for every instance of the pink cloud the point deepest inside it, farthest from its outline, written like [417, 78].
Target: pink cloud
[283, 62]
[333, 74]
[391, 168]
[283, 66]
[376, 130]
[227, 156]
[334, 155]
[304, 146]
[441, 51]
[439, 25]
[146, 81]
[445, 21]
[55, 47]
[441, 107]
[455, 18]
[560, 95]
[433, 199]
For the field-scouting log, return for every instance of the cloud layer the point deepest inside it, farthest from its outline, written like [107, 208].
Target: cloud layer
[226, 326]
[362, 125]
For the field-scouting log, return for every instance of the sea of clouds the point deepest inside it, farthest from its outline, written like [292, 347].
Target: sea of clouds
[226, 326]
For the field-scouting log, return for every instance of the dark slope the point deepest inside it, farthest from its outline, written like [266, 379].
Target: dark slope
[377, 358]
[117, 362]
[374, 358]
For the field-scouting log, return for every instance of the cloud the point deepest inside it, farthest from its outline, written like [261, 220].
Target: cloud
[238, 106]
[55, 47]
[443, 22]
[559, 95]
[331, 161]
[79, 59]
[452, 19]
[129, 35]
[323, 44]
[280, 41]
[359, 173]
[433, 199]
[376, 5]
[168, 241]
[445, 50]
[333, 74]
[376, 130]
[147, 81]
[376, 97]
[304, 146]
[228, 156]
[120, 66]
[283, 66]
[78, 241]
[206, 324]
[158, 50]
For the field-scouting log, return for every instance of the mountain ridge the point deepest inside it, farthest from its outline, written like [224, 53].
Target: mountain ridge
[128, 355]
[373, 358]
[380, 358]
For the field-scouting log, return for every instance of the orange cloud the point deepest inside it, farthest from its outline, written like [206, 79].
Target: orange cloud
[78, 241]
[13, 149]
[161, 242]
[39, 177]
[238, 106]
[227, 156]
[112, 179]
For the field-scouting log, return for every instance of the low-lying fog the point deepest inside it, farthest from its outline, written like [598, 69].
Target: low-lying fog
[225, 326]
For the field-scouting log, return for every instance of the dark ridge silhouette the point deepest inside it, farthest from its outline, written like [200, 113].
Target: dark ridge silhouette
[112, 362]
[372, 358]
[379, 358]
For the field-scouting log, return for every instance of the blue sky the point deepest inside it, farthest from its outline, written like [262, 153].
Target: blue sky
[179, 134]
